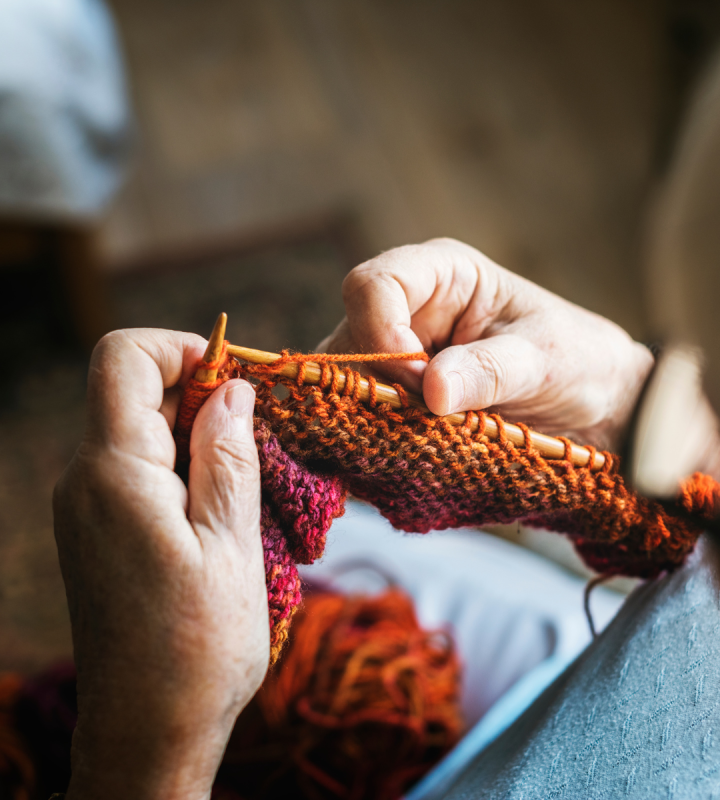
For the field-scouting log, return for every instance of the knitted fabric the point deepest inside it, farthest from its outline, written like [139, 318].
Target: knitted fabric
[316, 443]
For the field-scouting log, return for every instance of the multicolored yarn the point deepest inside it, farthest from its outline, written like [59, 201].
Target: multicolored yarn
[298, 507]
[195, 394]
[318, 442]
[362, 704]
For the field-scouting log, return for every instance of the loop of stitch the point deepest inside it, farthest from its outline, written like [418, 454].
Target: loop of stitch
[402, 394]
[593, 452]
[220, 360]
[568, 448]
[335, 380]
[372, 388]
[528, 444]
[502, 433]
[324, 376]
[349, 381]
[469, 416]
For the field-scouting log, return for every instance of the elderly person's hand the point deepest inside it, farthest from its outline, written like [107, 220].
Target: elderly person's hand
[165, 584]
[501, 342]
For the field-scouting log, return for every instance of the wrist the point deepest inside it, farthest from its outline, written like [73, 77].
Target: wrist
[177, 762]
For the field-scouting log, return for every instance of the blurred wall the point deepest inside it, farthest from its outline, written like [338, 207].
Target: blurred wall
[528, 128]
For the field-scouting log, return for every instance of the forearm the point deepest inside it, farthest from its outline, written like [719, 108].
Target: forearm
[114, 763]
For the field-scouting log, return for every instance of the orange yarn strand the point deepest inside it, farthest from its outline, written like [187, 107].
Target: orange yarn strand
[286, 357]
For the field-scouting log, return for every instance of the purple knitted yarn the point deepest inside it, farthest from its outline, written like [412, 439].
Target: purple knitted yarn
[298, 508]
[305, 503]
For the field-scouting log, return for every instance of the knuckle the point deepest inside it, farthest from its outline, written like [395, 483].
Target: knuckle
[109, 344]
[380, 268]
[106, 354]
[359, 277]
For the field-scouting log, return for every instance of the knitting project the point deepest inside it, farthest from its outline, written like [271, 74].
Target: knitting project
[316, 443]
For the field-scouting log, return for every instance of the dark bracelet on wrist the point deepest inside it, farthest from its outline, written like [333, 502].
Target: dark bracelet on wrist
[655, 348]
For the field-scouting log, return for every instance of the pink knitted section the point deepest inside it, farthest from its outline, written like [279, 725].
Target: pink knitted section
[305, 502]
[298, 508]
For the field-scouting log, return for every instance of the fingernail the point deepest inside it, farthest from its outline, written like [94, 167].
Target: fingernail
[240, 400]
[455, 390]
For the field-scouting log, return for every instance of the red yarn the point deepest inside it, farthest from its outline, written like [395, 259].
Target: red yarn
[194, 397]
[362, 704]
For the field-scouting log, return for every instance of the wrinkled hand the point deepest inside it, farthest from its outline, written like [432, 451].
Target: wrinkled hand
[500, 341]
[165, 584]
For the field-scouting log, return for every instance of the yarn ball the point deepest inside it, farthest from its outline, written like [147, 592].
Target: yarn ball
[362, 704]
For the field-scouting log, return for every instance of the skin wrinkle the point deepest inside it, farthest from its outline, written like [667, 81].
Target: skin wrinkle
[478, 317]
[449, 294]
[119, 419]
[390, 279]
[496, 370]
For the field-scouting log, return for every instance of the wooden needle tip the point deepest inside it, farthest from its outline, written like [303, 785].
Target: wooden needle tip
[217, 337]
[213, 351]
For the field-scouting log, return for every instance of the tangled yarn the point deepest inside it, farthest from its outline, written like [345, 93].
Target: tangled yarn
[363, 702]
[317, 442]
[361, 705]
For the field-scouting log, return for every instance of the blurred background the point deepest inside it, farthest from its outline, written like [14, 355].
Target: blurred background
[163, 160]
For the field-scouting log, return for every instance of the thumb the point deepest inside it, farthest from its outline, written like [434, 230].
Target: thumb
[486, 373]
[224, 483]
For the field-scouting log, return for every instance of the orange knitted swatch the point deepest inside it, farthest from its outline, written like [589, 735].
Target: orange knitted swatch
[317, 442]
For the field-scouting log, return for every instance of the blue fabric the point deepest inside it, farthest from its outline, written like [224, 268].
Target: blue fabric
[637, 715]
[64, 114]
[502, 714]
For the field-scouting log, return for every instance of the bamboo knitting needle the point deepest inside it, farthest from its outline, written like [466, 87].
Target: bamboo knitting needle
[547, 446]
[212, 352]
